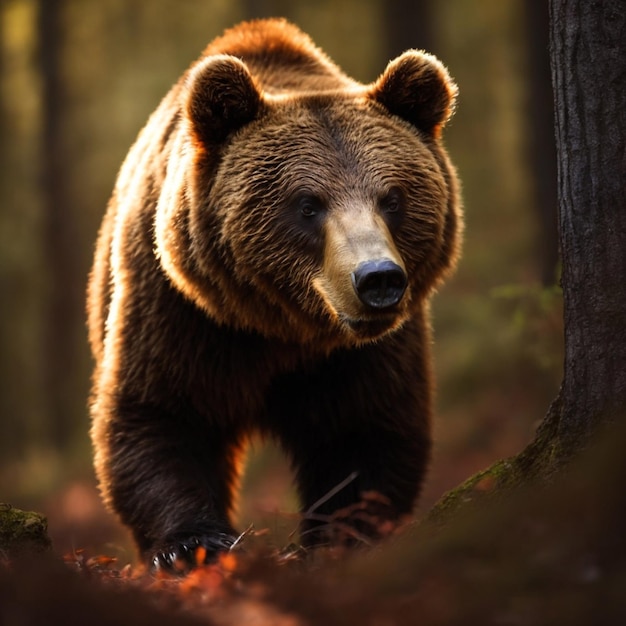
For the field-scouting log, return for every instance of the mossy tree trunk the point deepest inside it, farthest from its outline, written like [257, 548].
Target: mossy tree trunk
[588, 58]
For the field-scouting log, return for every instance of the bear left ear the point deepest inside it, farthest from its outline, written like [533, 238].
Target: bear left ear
[417, 87]
[222, 98]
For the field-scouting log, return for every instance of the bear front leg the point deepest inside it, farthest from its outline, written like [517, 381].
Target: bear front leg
[356, 426]
[357, 486]
[169, 475]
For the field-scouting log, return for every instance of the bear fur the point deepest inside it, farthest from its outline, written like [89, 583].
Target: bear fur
[228, 294]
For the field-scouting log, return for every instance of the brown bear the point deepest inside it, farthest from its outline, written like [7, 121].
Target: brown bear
[265, 266]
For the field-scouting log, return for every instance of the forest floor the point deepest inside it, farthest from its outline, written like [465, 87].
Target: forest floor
[548, 553]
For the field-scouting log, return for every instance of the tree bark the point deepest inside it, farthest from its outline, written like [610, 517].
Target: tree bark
[541, 144]
[408, 24]
[65, 285]
[254, 9]
[588, 48]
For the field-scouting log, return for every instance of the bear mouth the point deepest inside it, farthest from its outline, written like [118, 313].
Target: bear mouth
[372, 327]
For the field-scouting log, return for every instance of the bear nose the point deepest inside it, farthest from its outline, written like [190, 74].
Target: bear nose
[379, 284]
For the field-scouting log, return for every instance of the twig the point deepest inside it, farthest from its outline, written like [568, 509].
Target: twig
[336, 489]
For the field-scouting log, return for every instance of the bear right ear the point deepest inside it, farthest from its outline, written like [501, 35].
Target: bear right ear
[417, 87]
[222, 98]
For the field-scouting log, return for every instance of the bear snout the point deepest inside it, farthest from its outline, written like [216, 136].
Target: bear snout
[379, 283]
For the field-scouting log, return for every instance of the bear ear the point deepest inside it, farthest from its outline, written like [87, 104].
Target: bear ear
[417, 87]
[222, 98]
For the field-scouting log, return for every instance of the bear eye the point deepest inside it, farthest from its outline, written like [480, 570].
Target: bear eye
[392, 201]
[309, 205]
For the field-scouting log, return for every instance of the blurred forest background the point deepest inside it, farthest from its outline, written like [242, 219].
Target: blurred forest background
[78, 79]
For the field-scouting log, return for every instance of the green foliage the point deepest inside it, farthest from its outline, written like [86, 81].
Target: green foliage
[535, 315]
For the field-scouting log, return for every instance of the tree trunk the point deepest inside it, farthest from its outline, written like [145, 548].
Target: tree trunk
[588, 59]
[541, 145]
[63, 316]
[267, 8]
[588, 56]
[408, 24]
[588, 48]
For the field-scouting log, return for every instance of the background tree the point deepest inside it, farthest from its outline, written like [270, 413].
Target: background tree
[22, 406]
[408, 24]
[541, 148]
[266, 8]
[63, 281]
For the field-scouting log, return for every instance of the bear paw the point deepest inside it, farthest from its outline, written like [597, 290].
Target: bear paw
[182, 552]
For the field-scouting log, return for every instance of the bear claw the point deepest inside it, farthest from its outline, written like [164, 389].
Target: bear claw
[181, 554]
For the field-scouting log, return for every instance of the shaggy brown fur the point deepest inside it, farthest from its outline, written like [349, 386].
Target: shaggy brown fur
[226, 297]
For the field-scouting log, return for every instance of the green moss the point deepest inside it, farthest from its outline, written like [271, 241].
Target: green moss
[22, 531]
[540, 460]
[486, 483]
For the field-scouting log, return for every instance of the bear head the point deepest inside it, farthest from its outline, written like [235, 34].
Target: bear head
[323, 216]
